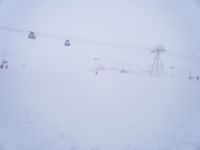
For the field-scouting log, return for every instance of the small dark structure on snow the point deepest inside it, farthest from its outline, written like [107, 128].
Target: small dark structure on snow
[4, 65]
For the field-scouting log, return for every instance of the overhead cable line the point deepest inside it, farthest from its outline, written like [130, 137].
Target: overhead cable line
[34, 34]
[68, 39]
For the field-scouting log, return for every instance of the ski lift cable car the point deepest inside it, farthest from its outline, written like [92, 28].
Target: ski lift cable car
[67, 43]
[31, 35]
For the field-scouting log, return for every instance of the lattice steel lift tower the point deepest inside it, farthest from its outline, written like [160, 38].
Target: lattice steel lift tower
[157, 67]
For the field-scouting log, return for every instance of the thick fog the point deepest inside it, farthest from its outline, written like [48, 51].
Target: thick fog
[99, 75]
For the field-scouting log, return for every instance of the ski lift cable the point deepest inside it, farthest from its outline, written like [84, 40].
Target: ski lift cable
[94, 42]
[76, 39]
[184, 56]
[13, 29]
[87, 41]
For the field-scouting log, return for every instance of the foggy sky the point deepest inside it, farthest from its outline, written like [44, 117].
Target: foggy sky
[174, 23]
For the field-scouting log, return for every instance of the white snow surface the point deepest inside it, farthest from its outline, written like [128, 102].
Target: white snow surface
[81, 110]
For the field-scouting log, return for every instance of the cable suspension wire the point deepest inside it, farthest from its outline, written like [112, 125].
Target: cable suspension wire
[33, 34]
[187, 57]
[10, 29]
[66, 39]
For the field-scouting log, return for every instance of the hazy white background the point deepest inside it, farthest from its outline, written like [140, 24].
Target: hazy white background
[51, 99]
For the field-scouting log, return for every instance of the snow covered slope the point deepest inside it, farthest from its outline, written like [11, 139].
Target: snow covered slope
[81, 110]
